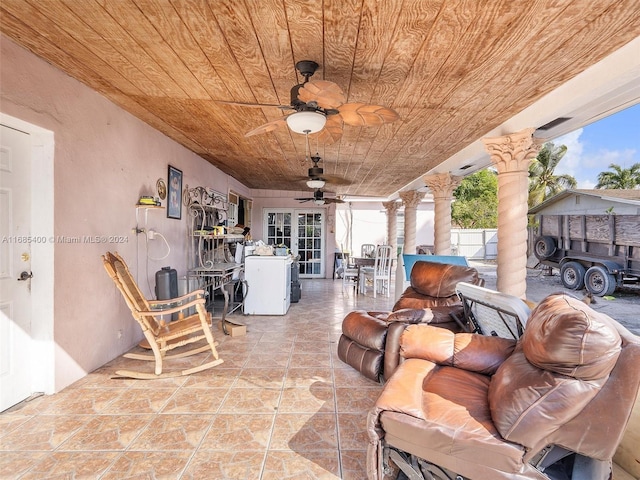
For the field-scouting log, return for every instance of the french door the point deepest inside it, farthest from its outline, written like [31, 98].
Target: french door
[303, 232]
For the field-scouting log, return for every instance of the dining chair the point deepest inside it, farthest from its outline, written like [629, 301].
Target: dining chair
[350, 276]
[380, 274]
[367, 250]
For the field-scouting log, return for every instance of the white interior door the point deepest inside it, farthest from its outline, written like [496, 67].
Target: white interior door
[303, 232]
[15, 258]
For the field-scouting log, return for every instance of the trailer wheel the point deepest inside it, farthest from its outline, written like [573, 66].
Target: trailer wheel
[599, 282]
[544, 247]
[572, 275]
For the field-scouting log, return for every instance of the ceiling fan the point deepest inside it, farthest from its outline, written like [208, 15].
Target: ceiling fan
[317, 178]
[320, 107]
[319, 198]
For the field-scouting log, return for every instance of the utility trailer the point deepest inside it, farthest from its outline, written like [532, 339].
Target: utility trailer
[597, 252]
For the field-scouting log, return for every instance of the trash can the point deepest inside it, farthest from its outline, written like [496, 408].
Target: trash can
[167, 286]
[296, 291]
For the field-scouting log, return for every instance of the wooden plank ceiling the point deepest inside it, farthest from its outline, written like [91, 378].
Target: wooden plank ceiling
[452, 69]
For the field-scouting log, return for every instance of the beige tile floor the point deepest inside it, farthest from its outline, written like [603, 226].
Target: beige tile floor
[281, 406]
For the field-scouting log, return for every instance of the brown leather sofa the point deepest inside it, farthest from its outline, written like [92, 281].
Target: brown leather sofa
[370, 340]
[553, 405]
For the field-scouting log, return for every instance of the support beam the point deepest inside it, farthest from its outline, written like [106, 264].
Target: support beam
[511, 155]
[442, 186]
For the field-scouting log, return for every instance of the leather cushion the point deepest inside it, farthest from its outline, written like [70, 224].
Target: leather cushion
[529, 404]
[409, 315]
[468, 351]
[445, 410]
[559, 366]
[411, 298]
[365, 329]
[365, 360]
[440, 279]
[566, 336]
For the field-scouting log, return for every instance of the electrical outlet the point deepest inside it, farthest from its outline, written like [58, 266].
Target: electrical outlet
[151, 234]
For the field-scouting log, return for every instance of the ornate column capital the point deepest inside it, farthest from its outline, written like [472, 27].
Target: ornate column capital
[411, 198]
[392, 206]
[513, 152]
[442, 185]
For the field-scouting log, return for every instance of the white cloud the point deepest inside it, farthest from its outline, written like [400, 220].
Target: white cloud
[573, 163]
[603, 158]
[572, 160]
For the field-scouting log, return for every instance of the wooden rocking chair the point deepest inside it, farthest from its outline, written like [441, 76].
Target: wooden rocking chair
[162, 336]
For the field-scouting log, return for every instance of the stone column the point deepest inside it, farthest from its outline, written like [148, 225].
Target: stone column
[392, 224]
[442, 186]
[511, 155]
[410, 199]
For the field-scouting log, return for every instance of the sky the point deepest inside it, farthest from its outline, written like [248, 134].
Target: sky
[591, 149]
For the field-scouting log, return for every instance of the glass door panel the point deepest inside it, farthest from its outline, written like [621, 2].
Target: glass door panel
[279, 228]
[310, 243]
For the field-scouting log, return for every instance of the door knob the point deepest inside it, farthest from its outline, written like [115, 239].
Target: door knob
[25, 276]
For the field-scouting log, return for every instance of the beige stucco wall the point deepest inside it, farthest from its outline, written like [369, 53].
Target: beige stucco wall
[104, 160]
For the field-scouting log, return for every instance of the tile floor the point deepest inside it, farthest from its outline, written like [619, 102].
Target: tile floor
[281, 406]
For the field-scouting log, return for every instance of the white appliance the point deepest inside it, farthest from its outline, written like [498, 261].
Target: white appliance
[268, 284]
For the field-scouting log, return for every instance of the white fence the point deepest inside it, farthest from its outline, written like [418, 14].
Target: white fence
[475, 243]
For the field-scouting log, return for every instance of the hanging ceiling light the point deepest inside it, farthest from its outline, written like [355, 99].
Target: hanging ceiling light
[315, 183]
[318, 197]
[306, 122]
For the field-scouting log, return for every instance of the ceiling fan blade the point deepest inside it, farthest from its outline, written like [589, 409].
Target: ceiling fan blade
[332, 131]
[336, 180]
[333, 200]
[333, 180]
[325, 93]
[307, 199]
[267, 127]
[362, 114]
[255, 105]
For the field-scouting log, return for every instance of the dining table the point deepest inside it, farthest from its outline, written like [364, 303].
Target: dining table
[362, 261]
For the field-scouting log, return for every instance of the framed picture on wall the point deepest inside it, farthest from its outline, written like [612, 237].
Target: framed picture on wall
[174, 204]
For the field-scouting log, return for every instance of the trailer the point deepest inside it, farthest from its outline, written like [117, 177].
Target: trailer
[596, 252]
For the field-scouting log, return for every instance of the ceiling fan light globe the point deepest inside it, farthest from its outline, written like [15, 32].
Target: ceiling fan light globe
[315, 183]
[306, 122]
[319, 202]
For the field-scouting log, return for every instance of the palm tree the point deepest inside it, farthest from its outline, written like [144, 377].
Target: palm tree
[542, 181]
[620, 178]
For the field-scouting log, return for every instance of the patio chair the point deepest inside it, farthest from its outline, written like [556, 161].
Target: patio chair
[160, 335]
[350, 275]
[367, 250]
[380, 274]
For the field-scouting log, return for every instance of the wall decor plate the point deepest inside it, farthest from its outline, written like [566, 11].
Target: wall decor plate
[161, 187]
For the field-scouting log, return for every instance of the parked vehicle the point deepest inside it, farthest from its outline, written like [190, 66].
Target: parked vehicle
[597, 252]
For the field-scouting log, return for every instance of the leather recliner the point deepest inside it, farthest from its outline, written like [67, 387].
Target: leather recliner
[370, 340]
[553, 405]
